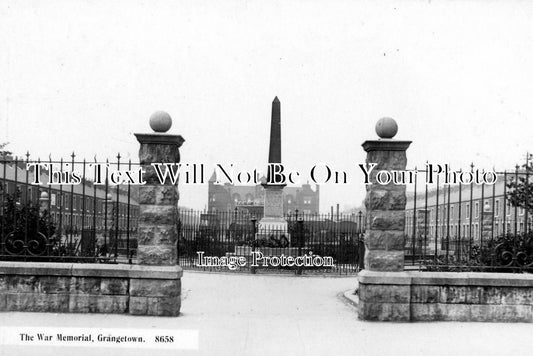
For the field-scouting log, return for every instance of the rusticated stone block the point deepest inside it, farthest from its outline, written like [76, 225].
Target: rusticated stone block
[158, 194]
[37, 302]
[456, 312]
[52, 284]
[425, 294]
[21, 284]
[481, 312]
[157, 234]
[385, 199]
[150, 176]
[117, 304]
[385, 293]
[164, 306]
[157, 214]
[157, 254]
[387, 160]
[501, 313]
[114, 286]
[517, 313]
[85, 285]
[382, 260]
[156, 153]
[155, 287]
[3, 284]
[138, 305]
[515, 295]
[426, 312]
[391, 187]
[384, 311]
[147, 194]
[385, 240]
[88, 303]
[83, 303]
[453, 294]
[387, 220]
[483, 295]
[157, 306]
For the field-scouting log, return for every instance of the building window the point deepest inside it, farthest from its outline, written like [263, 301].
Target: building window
[497, 210]
[468, 211]
[477, 209]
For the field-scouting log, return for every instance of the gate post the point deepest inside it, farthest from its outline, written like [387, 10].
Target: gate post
[382, 295]
[156, 293]
[158, 202]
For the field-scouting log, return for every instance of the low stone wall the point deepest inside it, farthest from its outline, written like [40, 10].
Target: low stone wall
[90, 288]
[450, 296]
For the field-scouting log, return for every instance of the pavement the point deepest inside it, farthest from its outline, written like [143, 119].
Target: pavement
[243, 314]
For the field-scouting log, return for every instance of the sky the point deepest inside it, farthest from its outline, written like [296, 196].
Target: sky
[84, 76]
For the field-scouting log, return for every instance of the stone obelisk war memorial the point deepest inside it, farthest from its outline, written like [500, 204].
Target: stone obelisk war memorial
[273, 224]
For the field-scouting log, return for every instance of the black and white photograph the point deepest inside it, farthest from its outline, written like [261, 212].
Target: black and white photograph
[246, 177]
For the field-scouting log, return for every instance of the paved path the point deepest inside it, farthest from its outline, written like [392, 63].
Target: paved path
[285, 315]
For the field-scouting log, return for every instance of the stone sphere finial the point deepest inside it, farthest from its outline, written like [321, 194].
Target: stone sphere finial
[109, 196]
[160, 121]
[44, 195]
[386, 127]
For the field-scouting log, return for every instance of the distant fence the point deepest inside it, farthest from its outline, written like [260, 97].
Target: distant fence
[84, 222]
[458, 227]
[238, 233]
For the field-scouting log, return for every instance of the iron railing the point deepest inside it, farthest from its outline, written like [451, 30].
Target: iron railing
[239, 233]
[60, 213]
[458, 227]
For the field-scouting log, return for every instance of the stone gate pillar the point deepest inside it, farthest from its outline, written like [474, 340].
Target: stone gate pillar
[385, 204]
[158, 202]
[382, 296]
[158, 292]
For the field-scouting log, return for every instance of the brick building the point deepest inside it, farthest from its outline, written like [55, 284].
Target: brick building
[458, 212]
[227, 197]
[73, 207]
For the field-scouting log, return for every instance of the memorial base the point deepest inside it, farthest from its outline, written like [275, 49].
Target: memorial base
[275, 228]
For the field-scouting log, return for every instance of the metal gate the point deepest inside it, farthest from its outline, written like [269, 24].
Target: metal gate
[234, 241]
